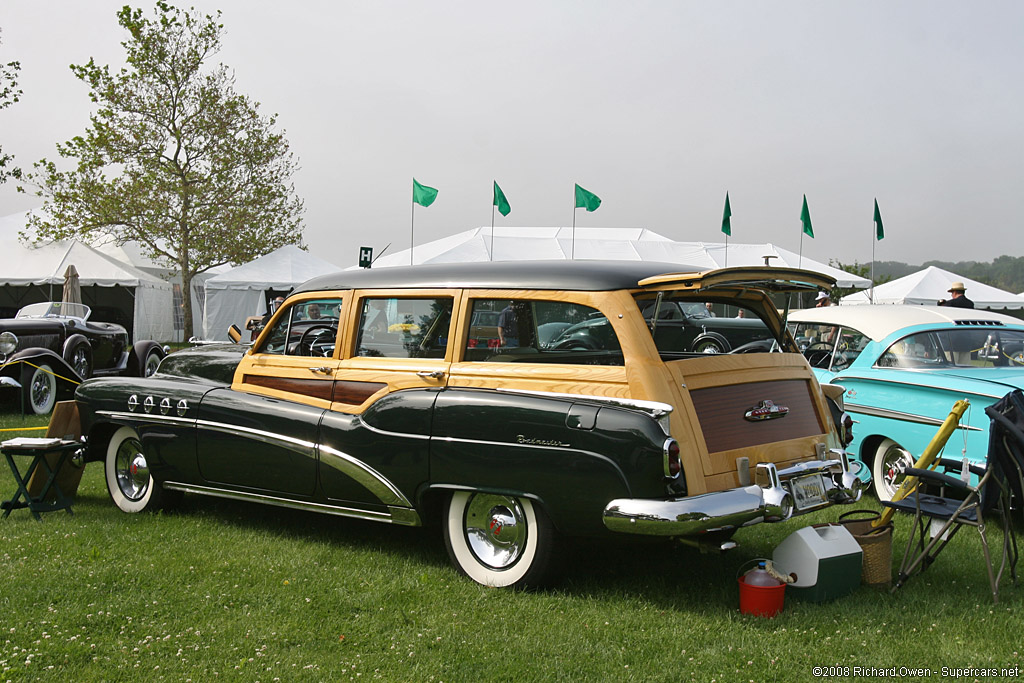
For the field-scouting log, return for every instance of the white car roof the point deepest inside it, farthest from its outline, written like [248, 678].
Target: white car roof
[879, 321]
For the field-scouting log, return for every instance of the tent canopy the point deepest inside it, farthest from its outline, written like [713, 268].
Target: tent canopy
[928, 286]
[30, 274]
[241, 292]
[631, 244]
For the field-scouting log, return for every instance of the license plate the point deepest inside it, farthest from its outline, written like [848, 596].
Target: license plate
[808, 491]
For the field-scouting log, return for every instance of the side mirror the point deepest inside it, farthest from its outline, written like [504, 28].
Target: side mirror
[235, 334]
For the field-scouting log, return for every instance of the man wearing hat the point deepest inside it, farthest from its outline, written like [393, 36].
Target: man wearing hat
[822, 300]
[957, 297]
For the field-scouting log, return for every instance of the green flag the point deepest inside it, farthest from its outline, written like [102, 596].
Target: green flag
[805, 218]
[727, 217]
[879, 231]
[423, 195]
[499, 200]
[586, 200]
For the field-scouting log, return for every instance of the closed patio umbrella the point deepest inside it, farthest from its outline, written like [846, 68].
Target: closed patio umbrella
[72, 288]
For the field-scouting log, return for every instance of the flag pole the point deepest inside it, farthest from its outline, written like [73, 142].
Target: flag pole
[412, 225]
[491, 255]
[800, 256]
[572, 248]
[726, 251]
[871, 291]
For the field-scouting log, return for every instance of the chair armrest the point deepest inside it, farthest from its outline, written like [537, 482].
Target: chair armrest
[938, 478]
[957, 466]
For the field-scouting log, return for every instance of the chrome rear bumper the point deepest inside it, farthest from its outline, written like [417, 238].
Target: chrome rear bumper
[770, 499]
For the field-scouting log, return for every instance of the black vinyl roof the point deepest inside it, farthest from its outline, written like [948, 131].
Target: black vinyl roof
[551, 274]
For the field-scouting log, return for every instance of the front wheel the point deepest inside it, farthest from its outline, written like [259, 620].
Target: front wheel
[41, 391]
[887, 468]
[499, 541]
[709, 345]
[129, 482]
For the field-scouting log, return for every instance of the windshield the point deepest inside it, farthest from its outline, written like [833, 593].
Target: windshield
[55, 309]
[971, 348]
[682, 325]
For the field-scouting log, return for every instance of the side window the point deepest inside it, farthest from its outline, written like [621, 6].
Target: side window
[523, 330]
[307, 328]
[851, 343]
[915, 351]
[404, 328]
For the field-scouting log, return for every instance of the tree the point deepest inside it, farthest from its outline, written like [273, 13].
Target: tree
[174, 158]
[858, 269]
[9, 94]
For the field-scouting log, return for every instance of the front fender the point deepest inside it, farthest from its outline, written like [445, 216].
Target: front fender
[21, 365]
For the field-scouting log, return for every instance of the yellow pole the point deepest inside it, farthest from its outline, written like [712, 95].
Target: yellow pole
[927, 457]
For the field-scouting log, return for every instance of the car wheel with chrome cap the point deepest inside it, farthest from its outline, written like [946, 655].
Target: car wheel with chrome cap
[129, 481]
[497, 540]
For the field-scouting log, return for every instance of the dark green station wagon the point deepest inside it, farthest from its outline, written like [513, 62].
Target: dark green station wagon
[379, 395]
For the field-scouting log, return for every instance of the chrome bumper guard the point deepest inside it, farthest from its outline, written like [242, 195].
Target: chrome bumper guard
[770, 499]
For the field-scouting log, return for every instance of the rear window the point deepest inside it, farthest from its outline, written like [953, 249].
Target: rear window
[684, 325]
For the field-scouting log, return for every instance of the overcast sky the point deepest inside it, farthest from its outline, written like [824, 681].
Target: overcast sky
[658, 107]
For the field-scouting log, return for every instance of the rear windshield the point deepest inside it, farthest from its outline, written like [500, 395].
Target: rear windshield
[683, 326]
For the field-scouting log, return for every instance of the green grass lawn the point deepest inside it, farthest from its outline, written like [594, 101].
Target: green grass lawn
[237, 591]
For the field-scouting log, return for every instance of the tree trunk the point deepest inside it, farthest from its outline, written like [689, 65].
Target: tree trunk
[186, 302]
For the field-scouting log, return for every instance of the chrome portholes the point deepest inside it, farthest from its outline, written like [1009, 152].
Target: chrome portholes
[165, 406]
[133, 403]
[148, 404]
[495, 530]
[182, 407]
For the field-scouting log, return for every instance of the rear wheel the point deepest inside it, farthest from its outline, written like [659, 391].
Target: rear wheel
[891, 459]
[499, 541]
[80, 359]
[129, 482]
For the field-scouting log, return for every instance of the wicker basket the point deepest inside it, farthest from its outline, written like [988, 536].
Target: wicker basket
[875, 542]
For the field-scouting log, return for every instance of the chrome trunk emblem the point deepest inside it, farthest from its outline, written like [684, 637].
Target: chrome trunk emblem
[767, 410]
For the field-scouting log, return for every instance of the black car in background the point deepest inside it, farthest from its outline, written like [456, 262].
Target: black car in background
[676, 325]
[49, 348]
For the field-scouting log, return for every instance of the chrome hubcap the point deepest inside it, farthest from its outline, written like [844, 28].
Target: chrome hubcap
[895, 460]
[152, 363]
[132, 470]
[496, 530]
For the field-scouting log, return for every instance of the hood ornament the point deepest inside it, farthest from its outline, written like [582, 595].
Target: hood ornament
[767, 410]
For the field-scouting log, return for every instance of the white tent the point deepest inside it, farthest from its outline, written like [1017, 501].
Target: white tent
[930, 285]
[632, 244]
[241, 292]
[31, 274]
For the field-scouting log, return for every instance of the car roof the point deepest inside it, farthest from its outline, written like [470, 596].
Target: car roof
[584, 275]
[881, 320]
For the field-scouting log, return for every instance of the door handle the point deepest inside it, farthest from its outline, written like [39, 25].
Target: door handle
[430, 374]
[321, 369]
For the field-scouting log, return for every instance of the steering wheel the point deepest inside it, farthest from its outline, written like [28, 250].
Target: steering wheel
[819, 346]
[311, 336]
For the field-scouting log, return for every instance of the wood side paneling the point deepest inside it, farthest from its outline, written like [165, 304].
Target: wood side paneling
[325, 389]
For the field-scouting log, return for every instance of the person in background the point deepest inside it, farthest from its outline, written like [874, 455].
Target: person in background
[822, 300]
[274, 305]
[957, 298]
[508, 327]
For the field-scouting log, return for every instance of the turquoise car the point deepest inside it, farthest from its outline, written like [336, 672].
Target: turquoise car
[903, 368]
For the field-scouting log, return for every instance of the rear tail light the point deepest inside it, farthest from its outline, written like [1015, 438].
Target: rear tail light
[673, 464]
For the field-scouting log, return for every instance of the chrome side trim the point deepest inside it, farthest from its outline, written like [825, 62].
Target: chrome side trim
[654, 408]
[371, 479]
[141, 417]
[402, 516]
[842, 378]
[384, 432]
[359, 471]
[905, 417]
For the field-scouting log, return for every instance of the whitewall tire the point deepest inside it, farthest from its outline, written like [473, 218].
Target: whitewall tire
[499, 541]
[129, 482]
[887, 468]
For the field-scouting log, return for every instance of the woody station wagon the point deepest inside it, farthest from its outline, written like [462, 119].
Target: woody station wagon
[375, 394]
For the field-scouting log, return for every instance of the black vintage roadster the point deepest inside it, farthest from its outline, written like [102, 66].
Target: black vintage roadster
[49, 348]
